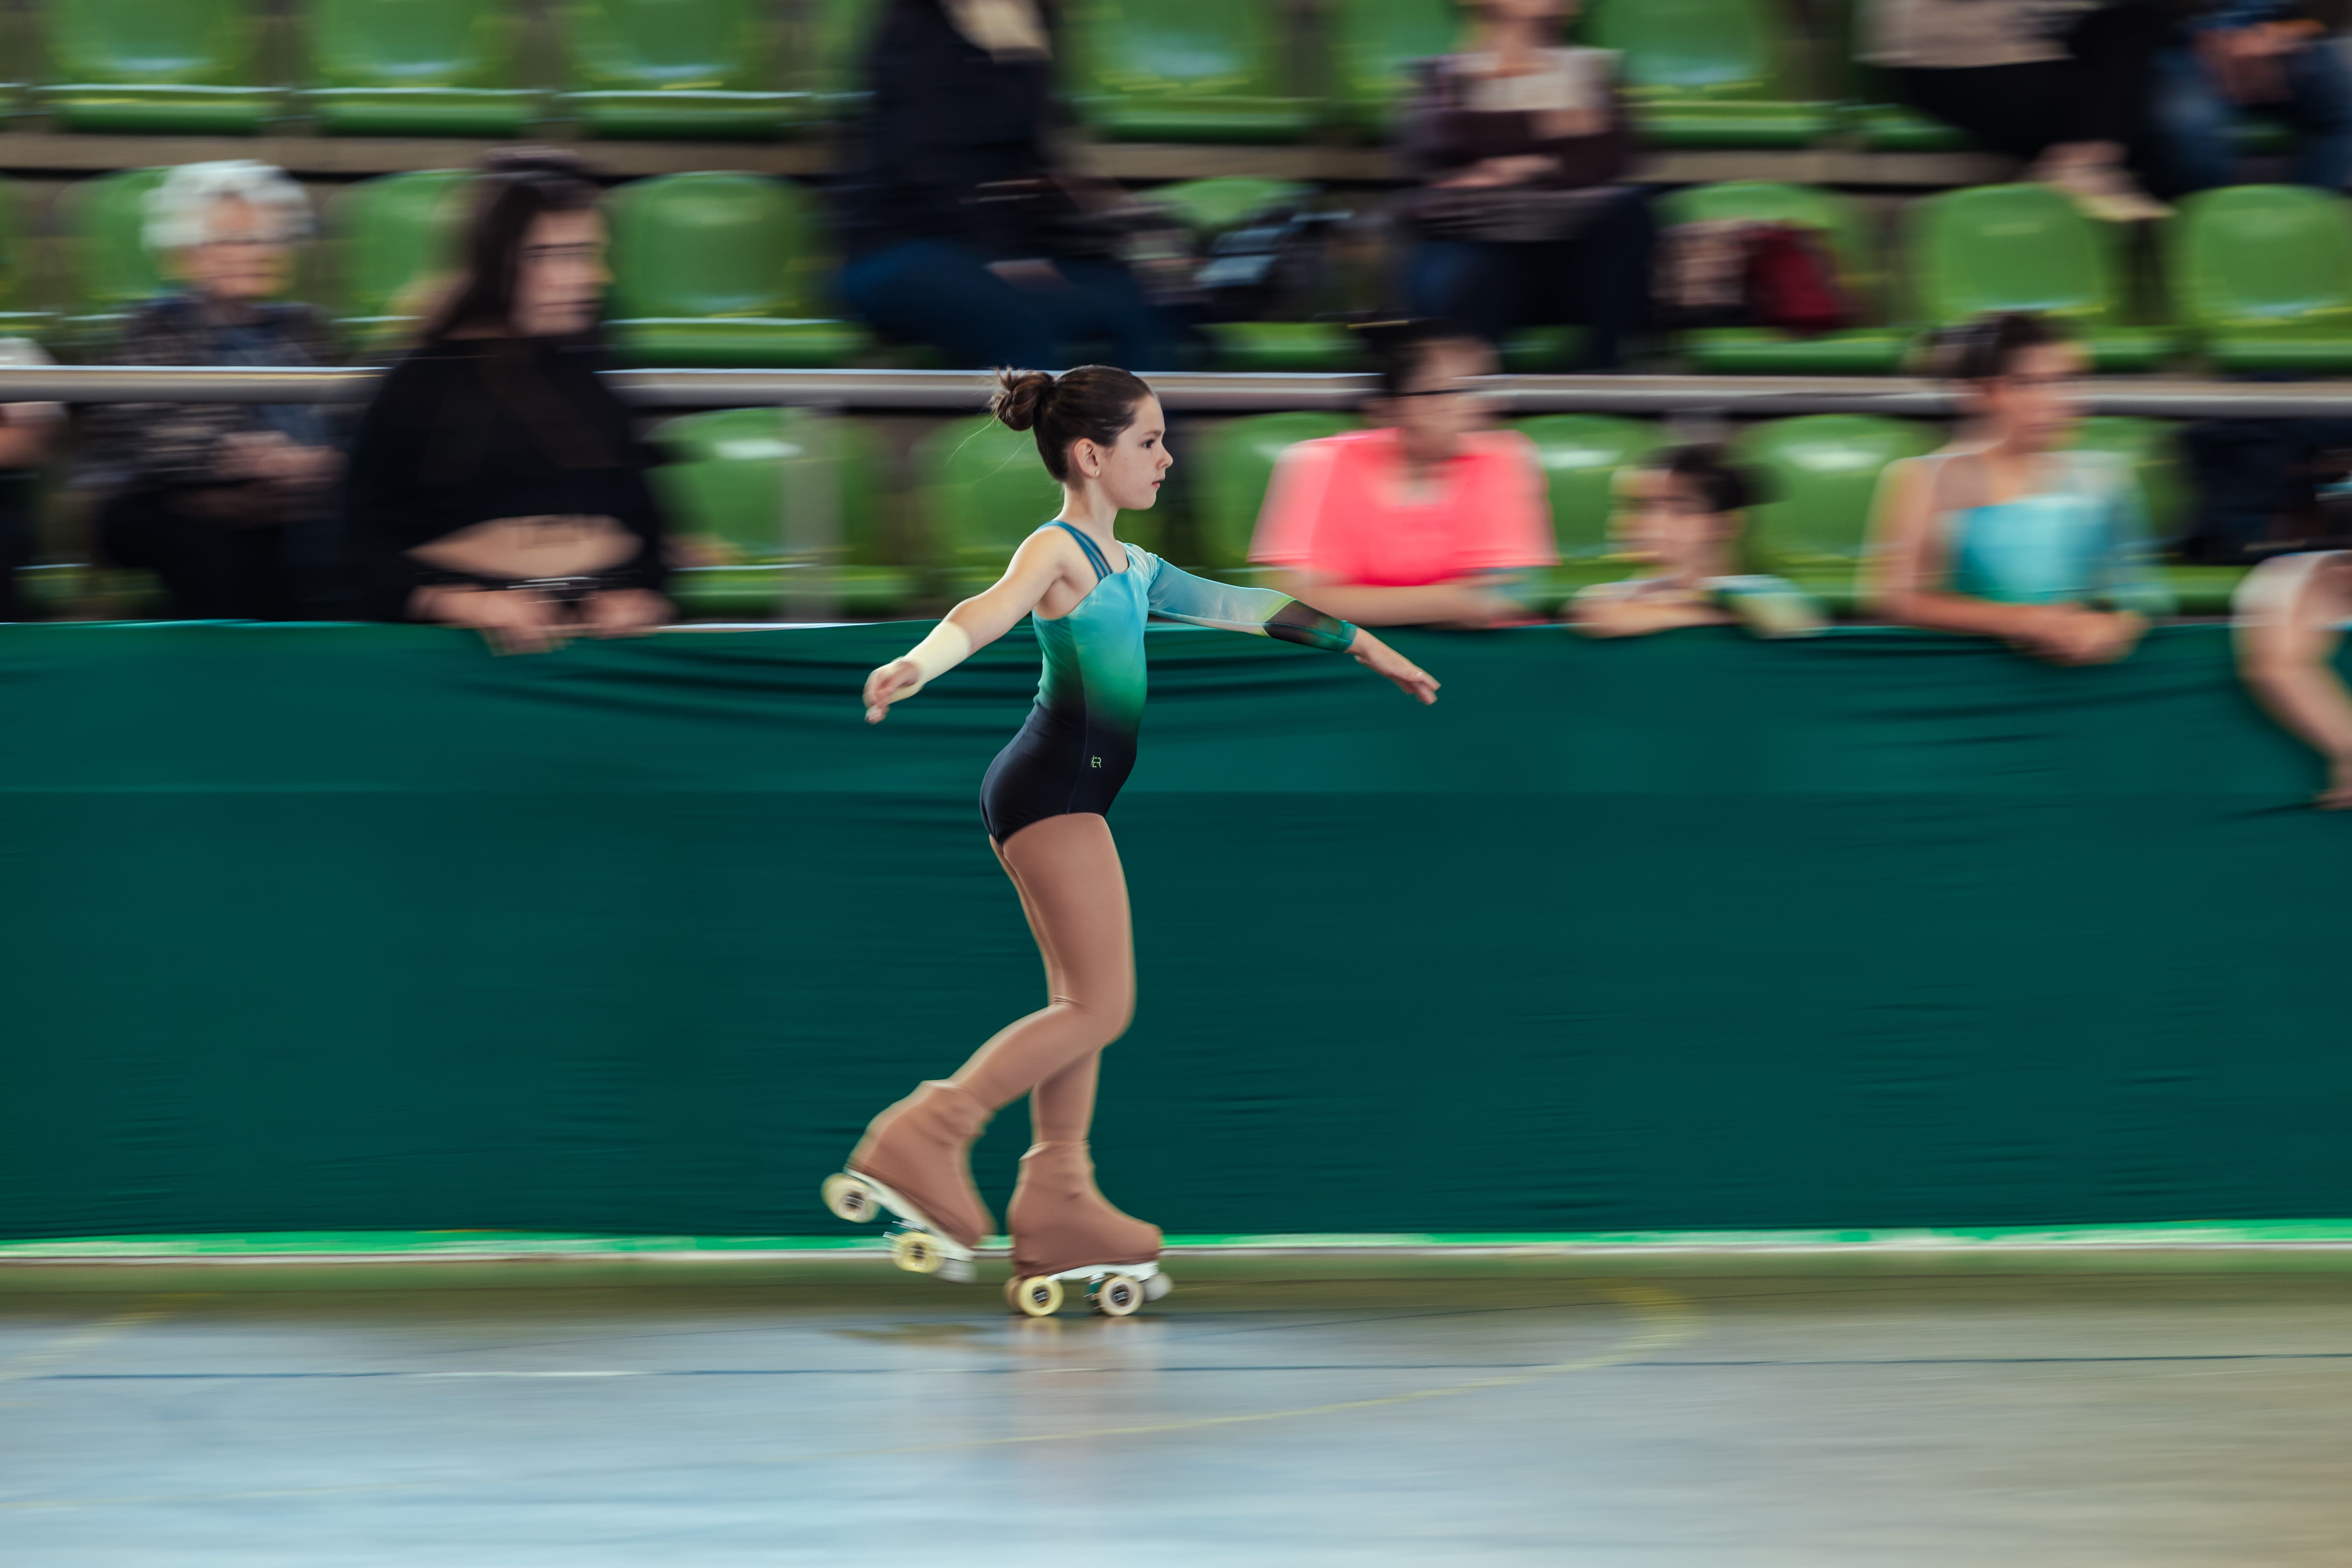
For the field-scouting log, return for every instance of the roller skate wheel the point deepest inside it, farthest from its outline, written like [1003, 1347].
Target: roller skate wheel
[850, 1199]
[1039, 1296]
[916, 1253]
[958, 1271]
[1119, 1296]
[1157, 1286]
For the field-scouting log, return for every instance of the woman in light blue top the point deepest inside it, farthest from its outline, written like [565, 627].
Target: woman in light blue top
[2003, 533]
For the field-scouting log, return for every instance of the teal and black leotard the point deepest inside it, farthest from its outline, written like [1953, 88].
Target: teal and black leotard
[1078, 745]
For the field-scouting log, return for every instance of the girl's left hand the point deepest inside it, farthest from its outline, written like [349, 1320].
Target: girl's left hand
[1381, 659]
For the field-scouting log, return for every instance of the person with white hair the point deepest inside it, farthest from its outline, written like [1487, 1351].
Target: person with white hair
[227, 502]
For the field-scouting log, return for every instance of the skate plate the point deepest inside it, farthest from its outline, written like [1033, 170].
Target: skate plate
[917, 1245]
[1115, 1290]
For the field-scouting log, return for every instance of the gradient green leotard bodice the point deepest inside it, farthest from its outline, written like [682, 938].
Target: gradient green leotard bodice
[1079, 746]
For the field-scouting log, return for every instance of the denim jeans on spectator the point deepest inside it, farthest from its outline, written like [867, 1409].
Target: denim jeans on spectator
[1599, 281]
[2191, 119]
[940, 292]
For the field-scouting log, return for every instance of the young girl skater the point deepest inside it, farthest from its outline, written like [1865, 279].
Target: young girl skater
[1103, 435]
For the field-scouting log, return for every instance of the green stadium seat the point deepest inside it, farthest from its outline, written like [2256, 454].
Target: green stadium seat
[2152, 448]
[984, 489]
[676, 69]
[1542, 350]
[841, 31]
[1210, 207]
[1819, 473]
[1708, 73]
[1236, 459]
[1869, 113]
[1181, 70]
[392, 238]
[2027, 247]
[113, 272]
[1583, 454]
[416, 68]
[722, 270]
[20, 314]
[724, 489]
[1752, 351]
[1373, 42]
[2262, 277]
[189, 67]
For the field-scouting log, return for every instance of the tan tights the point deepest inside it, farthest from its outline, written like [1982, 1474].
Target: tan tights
[1066, 870]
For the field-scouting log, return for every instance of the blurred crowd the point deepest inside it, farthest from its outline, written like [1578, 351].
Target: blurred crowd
[495, 482]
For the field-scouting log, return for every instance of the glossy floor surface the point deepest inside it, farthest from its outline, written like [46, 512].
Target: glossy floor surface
[1362, 1412]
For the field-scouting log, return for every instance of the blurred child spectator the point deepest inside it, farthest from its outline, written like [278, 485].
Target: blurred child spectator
[1429, 517]
[1683, 512]
[2291, 614]
[1517, 223]
[26, 430]
[960, 231]
[222, 501]
[2004, 534]
[496, 481]
[2063, 84]
[2273, 56]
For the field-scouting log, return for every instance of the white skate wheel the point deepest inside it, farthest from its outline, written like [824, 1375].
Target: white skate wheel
[958, 1270]
[916, 1253]
[1039, 1296]
[1157, 1286]
[1119, 1296]
[850, 1199]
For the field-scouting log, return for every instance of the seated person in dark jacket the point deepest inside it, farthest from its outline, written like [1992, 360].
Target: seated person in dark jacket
[495, 481]
[224, 501]
[958, 230]
[1517, 225]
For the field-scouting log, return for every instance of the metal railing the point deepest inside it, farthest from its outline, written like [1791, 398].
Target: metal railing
[1739, 397]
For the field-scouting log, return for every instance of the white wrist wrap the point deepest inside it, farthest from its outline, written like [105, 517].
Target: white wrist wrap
[947, 646]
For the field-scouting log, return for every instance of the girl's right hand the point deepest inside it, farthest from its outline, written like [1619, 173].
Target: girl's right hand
[892, 683]
[1381, 659]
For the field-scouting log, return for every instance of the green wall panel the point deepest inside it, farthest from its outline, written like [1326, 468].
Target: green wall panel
[349, 928]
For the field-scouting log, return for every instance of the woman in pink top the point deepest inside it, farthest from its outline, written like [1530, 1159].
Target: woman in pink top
[1428, 519]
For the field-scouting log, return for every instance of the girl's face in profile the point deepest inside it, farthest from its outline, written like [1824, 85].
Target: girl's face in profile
[1130, 471]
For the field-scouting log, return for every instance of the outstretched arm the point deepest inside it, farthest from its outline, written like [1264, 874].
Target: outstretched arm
[1178, 595]
[974, 624]
[2289, 616]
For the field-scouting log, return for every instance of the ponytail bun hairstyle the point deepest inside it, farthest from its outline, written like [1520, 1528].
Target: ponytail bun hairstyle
[1093, 402]
[1987, 348]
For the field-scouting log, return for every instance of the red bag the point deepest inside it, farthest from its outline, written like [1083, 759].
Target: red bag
[1793, 283]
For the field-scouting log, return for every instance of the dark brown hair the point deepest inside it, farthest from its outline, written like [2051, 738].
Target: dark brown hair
[1401, 348]
[514, 191]
[1708, 469]
[1987, 348]
[1093, 402]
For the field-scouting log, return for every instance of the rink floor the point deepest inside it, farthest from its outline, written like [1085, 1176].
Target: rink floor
[1656, 1411]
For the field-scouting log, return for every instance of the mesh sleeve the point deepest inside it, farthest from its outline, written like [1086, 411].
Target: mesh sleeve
[1178, 595]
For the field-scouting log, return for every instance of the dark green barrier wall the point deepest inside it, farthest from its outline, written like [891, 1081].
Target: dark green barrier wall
[325, 928]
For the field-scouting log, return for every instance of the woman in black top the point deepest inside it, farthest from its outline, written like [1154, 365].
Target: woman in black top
[958, 230]
[495, 482]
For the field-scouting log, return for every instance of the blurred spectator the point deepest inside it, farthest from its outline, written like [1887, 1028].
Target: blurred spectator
[1429, 518]
[960, 231]
[2003, 533]
[495, 482]
[2271, 56]
[25, 432]
[2291, 614]
[1518, 223]
[2063, 84]
[1682, 512]
[222, 501]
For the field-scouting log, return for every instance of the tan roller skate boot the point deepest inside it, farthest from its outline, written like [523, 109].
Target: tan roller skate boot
[914, 1163]
[1063, 1228]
